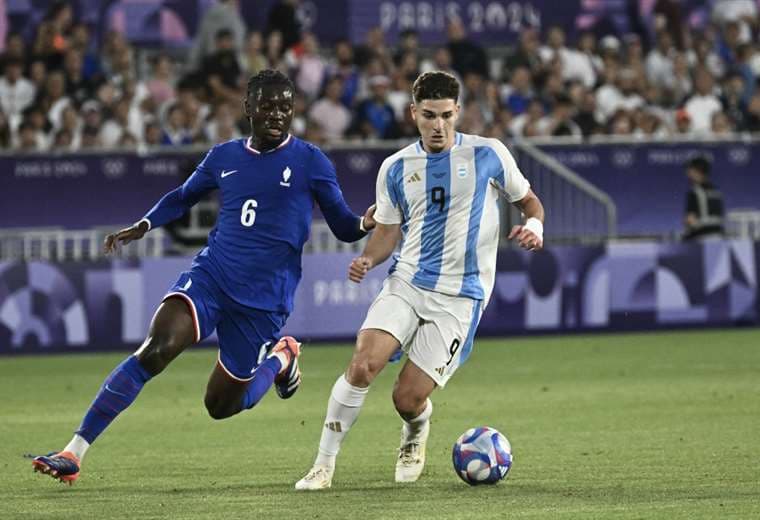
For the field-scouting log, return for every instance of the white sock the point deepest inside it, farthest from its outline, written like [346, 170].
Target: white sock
[413, 428]
[342, 411]
[284, 361]
[78, 446]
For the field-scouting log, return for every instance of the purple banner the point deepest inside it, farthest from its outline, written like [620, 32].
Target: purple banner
[82, 191]
[108, 305]
[646, 182]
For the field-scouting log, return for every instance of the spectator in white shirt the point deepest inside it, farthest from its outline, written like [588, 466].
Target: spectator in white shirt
[331, 115]
[114, 127]
[744, 12]
[399, 96]
[16, 92]
[703, 104]
[72, 123]
[679, 85]
[310, 70]
[574, 64]
[608, 95]
[586, 63]
[54, 99]
[659, 62]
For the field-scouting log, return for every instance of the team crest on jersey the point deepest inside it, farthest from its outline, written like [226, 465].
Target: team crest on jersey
[462, 171]
[286, 177]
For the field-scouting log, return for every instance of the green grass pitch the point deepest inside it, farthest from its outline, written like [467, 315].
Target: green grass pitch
[657, 425]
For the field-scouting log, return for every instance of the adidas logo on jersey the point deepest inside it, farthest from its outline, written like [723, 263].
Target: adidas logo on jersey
[334, 426]
[415, 177]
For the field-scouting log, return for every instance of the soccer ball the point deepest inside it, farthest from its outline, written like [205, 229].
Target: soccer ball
[482, 456]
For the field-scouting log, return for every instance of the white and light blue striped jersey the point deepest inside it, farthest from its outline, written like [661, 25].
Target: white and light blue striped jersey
[448, 211]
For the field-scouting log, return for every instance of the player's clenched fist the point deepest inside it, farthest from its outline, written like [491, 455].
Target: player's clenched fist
[359, 267]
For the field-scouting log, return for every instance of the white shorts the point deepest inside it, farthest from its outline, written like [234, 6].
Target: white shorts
[435, 330]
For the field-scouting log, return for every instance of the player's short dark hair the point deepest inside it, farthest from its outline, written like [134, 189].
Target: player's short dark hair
[269, 77]
[700, 163]
[435, 85]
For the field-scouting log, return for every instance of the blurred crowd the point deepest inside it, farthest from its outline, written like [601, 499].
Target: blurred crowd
[59, 92]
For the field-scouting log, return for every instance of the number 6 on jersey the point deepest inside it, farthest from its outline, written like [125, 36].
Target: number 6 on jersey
[248, 213]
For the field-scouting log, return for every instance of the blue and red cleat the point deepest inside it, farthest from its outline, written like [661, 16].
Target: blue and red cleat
[287, 382]
[63, 465]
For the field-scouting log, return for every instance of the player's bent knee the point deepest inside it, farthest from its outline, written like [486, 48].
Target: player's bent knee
[362, 371]
[156, 354]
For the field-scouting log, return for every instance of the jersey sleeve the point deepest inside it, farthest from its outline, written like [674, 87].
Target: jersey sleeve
[175, 203]
[512, 180]
[387, 199]
[326, 191]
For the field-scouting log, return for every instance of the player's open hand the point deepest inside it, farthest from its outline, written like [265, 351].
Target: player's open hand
[124, 236]
[526, 238]
[359, 268]
[369, 218]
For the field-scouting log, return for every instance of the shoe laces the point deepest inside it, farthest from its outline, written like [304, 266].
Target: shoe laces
[316, 473]
[409, 453]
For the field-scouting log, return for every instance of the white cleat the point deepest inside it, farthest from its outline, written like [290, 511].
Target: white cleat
[318, 477]
[411, 456]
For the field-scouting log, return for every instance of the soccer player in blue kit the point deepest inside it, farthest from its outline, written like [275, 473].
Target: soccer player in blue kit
[242, 284]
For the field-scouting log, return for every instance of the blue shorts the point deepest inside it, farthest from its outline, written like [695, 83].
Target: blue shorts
[244, 333]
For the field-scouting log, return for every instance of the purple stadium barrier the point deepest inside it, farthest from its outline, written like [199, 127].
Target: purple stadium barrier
[70, 307]
[646, 181]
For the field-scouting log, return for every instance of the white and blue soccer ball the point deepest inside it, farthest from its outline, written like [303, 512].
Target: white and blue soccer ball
[482, 456]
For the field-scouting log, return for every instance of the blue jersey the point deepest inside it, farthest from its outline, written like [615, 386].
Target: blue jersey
[266, 200]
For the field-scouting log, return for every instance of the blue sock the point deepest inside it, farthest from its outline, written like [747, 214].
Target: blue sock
[119, 390]
[263, 378]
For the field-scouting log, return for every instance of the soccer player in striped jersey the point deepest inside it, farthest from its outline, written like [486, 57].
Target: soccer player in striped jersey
[438, 197]
[243, 283]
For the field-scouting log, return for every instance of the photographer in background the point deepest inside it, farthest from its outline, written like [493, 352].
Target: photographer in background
[704, 203]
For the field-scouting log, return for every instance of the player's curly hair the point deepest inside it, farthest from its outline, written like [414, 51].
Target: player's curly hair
[269, 77]
[435, 85]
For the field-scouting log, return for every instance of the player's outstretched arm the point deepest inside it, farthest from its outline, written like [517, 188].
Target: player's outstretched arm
[346, 226]
[530, 235]
[379, 247]
[124, 236]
